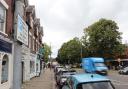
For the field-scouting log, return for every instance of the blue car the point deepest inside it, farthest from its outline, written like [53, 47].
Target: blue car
[88, 81]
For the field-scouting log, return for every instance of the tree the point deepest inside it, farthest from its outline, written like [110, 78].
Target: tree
[102, 39]
[47, 52]
[69, 53]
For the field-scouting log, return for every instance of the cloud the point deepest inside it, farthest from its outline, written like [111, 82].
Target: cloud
[65, 19]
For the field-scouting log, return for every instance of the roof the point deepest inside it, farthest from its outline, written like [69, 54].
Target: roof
[83, 78]
[94, 59]
[30, 8]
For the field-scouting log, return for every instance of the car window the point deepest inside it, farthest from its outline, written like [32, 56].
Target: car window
[98, 85]
[99, 64]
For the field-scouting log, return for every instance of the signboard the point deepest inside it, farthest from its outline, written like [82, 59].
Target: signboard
[22, 31]
[5, 46]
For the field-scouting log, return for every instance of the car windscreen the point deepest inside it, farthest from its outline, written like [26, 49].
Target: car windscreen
[99, 64]
[95, 85]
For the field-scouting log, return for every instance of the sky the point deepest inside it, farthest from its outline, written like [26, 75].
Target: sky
[63, 20]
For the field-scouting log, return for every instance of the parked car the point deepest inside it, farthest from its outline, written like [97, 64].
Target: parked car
[57, 70]
[58, 75]
[88, 81]
[124, 71]
[63, 77]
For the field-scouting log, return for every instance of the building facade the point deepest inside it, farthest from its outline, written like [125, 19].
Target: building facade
[6, 44]
[20, 43]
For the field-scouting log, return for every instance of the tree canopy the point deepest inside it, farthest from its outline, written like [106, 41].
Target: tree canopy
[70, 52]
[47, 51]
[102, 39]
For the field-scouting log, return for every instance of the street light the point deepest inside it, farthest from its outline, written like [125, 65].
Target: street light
[81, 50]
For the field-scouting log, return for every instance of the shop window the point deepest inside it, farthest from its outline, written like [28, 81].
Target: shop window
[33, 44]
[30, 39]
[37, 69]
[5, 66]
[32, 66]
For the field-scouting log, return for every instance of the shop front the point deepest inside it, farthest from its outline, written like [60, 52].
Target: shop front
[6, 64]
[32, 65]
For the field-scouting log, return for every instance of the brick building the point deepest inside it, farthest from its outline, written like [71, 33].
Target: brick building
[20, 55]
[6, 44]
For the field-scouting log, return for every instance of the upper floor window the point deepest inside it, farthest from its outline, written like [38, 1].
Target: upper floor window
[2, 18]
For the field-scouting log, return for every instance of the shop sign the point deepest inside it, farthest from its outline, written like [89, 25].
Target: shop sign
[5, 46]
[22, 31]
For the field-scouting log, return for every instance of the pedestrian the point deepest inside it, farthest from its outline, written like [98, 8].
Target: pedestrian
[50, 66]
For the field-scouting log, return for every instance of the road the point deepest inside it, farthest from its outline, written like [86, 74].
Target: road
[120, 81]
[46, 80]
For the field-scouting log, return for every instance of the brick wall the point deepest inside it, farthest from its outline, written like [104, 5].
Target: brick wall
[9, 19]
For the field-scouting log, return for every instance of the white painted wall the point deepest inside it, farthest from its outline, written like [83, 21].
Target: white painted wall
[26, 60]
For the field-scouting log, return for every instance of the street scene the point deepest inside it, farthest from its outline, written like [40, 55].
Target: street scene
[63, 44]
[47, 80]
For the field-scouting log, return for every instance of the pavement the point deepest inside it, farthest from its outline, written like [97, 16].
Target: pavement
[45, 81]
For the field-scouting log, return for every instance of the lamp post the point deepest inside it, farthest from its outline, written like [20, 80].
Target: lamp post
[81, 50]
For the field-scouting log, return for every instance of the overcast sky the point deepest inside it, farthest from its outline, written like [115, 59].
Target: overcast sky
[63, 20]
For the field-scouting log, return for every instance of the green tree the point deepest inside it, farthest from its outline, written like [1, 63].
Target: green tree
[47, 52]
[102, 39]
[70, 52]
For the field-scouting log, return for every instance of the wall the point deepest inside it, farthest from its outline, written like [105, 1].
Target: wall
[10, 14]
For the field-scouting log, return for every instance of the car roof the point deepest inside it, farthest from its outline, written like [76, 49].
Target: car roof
[83, 78]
